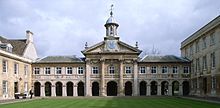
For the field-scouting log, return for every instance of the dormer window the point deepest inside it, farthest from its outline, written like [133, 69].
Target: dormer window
[6, 46]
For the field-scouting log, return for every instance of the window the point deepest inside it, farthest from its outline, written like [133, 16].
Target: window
[153, 69]
[15, 68]
[197, 46]
[197, 65]
[213, 82]
[58, 70]
[25, 69]
[191, 50]
[212, 38]
[204, 42]
[26, 87]
[204, 63]
[47, 70]
[111, 69]
[5, 87]
[80, 70]
[142, 70]
[127, 69]
[95, 70]
[36, 70]
[213, 60]
[5, 66]
[186, 69]
[69, 70]
[174, 69]
[164, 69]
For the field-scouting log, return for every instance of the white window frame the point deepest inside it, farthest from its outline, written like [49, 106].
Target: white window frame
[204, 42]
[111, 70]
[212, 38]
[128, 69]
[213, 79]
[80, 70]
[69, 70]
[25, 70]
[47, 70]
[142, 70]
[25, 87]
[16, 65]
[58, 70]
[186, 69]
[4, 66]
[164, 70]
[204, 62]
[153, 69]
[95, 70]
[175, 70]
[36, 70]
[213, 61]
[5, 87]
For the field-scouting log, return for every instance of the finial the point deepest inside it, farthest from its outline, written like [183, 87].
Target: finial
[111, 13]
[136, 44]
[86, 45]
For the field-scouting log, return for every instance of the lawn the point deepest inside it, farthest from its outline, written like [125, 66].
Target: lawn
[100, 102]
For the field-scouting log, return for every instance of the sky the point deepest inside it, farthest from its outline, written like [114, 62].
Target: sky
[62, 27]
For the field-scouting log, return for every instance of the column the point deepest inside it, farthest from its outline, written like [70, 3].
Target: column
[75, 90]
[53, 90]
[158, 89]
[135, 78]
[64, 90]
[180, 89]
[170, 90]
[103, 79]
[88, 72]
[42, 91]
[121, 86]
[148, 89]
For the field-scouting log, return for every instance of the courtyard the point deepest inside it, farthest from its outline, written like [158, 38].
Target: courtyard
[112, 102]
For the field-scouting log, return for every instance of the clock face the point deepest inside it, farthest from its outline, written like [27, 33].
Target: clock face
[111, 44]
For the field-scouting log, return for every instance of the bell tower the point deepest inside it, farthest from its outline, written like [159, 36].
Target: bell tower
[111, 25]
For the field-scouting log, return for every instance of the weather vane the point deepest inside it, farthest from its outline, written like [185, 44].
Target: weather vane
[111, 13]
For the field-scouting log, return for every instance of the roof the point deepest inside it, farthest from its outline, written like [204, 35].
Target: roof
[164, 59]
[18, 45]
[111, 20]
[60, 59]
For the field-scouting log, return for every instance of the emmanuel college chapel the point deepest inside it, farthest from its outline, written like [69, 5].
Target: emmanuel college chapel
[109, 68]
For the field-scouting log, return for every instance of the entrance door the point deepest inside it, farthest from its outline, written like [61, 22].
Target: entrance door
[37, 89]
[112, 88]
[205, 85]
[47, 89]
[128, 88]
[80, 89]
[69, 88]
[143, 88]
[95, 89]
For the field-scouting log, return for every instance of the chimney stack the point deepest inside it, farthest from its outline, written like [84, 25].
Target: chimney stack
[29, 36]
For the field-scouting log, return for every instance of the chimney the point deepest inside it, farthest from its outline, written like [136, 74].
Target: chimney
[29, 36]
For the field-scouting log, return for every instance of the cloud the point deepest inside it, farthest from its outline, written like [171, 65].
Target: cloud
[63, 27]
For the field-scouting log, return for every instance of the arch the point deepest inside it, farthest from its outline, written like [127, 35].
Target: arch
[69, 88]
[112, 88]
[95, 89]
[48, 89]
[59, 89]
[80, 89]
[153, 87]
[175, 88]
[185, 88]
[128, 88]
[164, 88]
[37, 86]
[143, 88]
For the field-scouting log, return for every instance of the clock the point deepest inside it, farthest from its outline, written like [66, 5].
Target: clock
[111, 44]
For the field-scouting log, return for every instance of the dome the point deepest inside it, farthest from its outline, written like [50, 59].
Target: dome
[111, 20]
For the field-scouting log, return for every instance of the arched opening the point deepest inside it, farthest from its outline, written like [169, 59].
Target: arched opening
[95, 89]
[143, 88]
[80, 89]
[112, 88]
[48, 89]
[205, 90]
[37, 88]
[59, 87]
[164, 88]
[175, 88]
[185, 88]
[128, 88]
[69, 89]
[153, 87]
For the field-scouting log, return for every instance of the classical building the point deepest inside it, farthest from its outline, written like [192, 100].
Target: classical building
[203, 50]
[111, 68]
[16, 56]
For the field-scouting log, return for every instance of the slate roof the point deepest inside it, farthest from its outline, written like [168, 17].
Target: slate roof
[19, 45]
[60, 59]
[164, 59]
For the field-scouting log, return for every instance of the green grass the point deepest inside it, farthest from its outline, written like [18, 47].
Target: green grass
[100, 102]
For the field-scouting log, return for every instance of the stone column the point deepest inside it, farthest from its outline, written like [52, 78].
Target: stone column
[121, 87]
[88, 72]
[135, 78]
[103, 93]
[42, 91]
[53, 90]
[75, 90]
[64, 91]
[148, 89]
[158, 89]
[170, 90]
[180, 89]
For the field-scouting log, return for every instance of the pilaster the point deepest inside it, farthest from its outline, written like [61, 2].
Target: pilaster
[135, 79]
[42, 91]
[88, 72]
[121, 87]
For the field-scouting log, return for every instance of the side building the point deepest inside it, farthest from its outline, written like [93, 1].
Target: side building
[15, 65]
[203, 50]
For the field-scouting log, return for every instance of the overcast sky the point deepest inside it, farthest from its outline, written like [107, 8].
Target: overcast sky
[62, 27]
